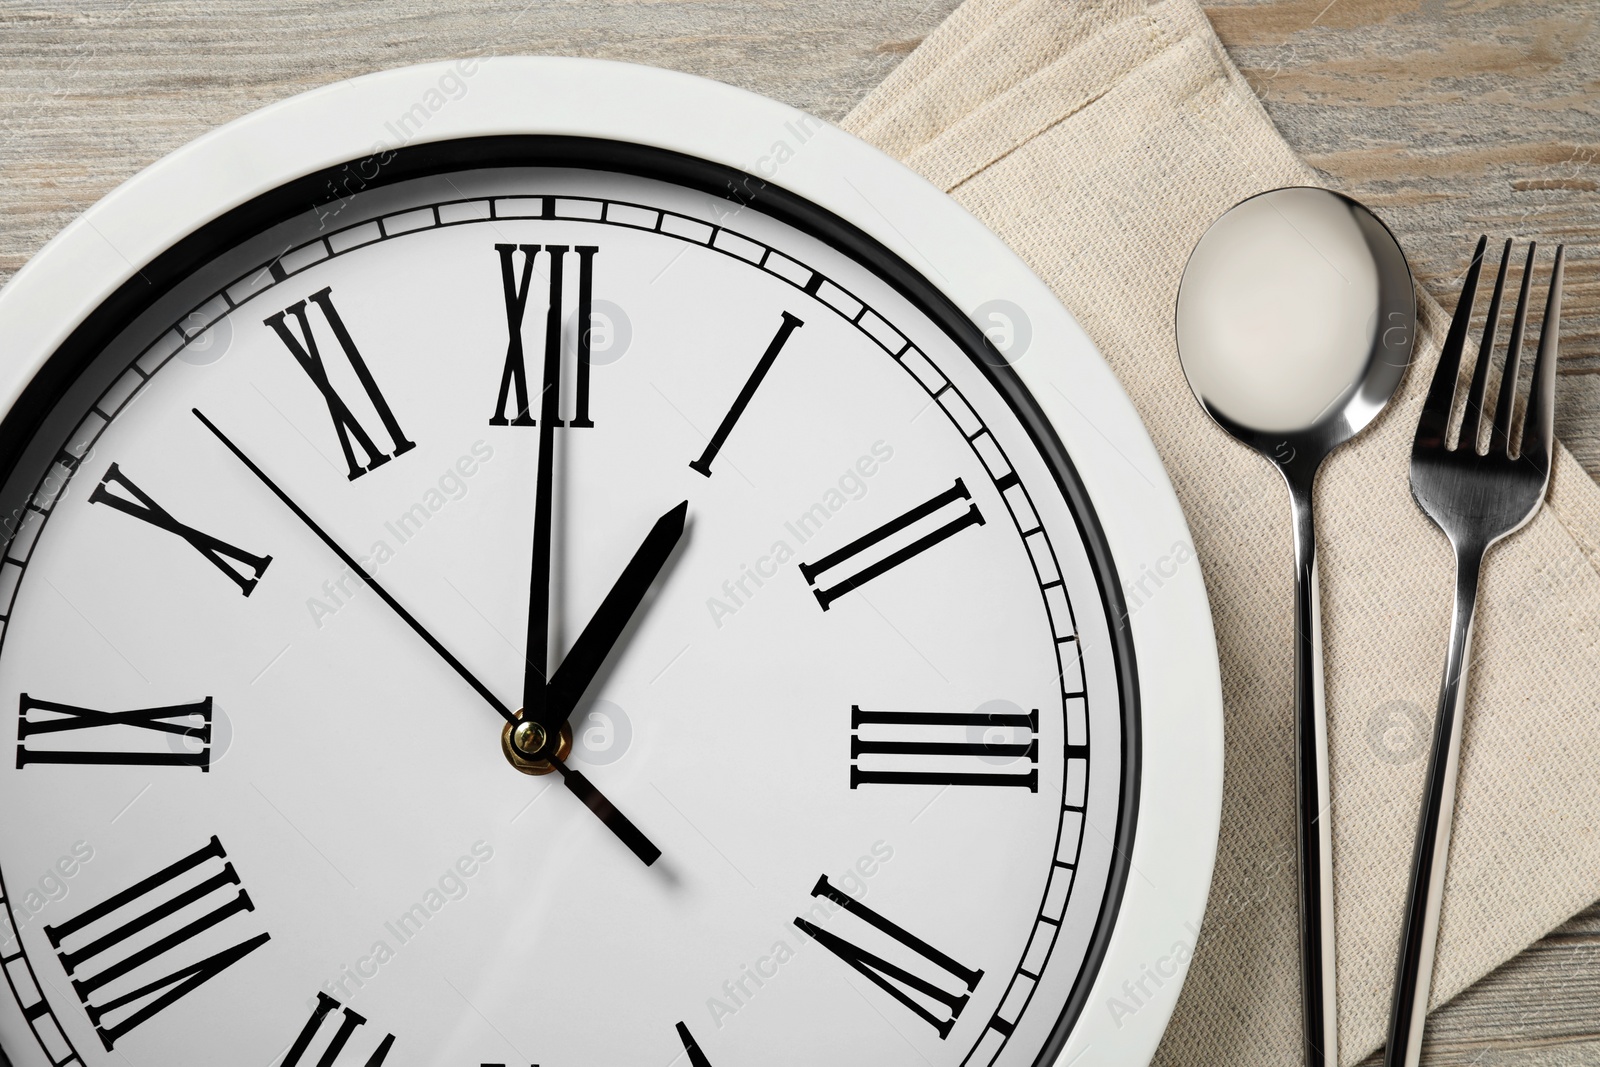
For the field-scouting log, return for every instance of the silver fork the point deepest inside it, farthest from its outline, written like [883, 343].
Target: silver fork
[1476, 500]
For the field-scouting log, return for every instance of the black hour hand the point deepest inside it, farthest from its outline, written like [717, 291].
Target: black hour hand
[594, 644]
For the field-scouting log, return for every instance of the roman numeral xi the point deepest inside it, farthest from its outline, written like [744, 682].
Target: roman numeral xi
[301, 341]
[514, 373]
[175, 719]
[899, 982]
[97, 946]
[218, 551]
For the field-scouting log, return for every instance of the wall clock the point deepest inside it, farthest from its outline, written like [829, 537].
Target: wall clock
[538, 561]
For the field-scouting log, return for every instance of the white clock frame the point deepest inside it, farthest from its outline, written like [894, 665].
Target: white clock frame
[1180, 780]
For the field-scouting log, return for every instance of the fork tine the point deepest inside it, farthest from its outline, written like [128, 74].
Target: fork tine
[1472, 416]
[1538, 430]
[1500, 436]
[1435, 420]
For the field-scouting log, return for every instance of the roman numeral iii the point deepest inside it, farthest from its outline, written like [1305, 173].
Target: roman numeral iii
[893, 979]
[36, 718]
[301, 341]
[348, 1023]
[936, 748]
[91, 946]
[218, 551]
[969, 517]
[514, 372]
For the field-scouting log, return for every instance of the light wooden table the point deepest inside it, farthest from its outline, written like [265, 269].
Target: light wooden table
[1450, 117]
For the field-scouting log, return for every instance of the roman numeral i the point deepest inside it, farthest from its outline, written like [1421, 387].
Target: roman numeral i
[788, 326]
[100, 933]
[514, 372]
[302, 344]
[892, 978]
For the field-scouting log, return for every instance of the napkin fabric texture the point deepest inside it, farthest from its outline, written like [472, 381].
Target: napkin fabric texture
[1099, 140]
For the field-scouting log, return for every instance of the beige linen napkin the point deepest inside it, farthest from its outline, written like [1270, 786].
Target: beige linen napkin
[1099, 140]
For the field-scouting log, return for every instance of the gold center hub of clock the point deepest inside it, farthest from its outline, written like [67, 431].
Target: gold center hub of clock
[526, 745]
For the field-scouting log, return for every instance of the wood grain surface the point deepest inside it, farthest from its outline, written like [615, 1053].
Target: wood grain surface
[1448, 117]
[1451, 118]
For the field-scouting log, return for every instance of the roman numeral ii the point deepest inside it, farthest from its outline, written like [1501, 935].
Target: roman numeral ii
[302, 344]
[880, 971]
[176, 719]
[969, 517]
[514, 372]
[100, 935]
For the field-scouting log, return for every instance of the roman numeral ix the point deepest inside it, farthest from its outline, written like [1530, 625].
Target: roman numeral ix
[176, 719]
[218, 551]
[302, 344]
[100, 932]
[969, 517]
[514, 374]
[913, 736]
[880, 971]
[341, 1037]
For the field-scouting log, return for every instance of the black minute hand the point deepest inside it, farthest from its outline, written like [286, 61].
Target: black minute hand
[535, 679]
[580, 786]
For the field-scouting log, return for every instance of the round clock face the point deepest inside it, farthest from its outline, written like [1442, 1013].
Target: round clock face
[847, 757]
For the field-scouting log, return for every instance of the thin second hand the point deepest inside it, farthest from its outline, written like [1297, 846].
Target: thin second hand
[460, 668]
[576, 782]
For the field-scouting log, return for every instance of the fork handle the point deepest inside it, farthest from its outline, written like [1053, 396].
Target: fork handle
[1314, 843]
[1418, 939]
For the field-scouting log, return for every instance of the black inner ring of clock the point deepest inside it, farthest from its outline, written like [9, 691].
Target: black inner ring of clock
[312, 191]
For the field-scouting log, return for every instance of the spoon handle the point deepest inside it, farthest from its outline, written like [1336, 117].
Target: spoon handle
[1414, 973]
[1315, 831]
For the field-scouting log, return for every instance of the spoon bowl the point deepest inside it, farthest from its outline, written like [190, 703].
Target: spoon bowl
[1295, 320]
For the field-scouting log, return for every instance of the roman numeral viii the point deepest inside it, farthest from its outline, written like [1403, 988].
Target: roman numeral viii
[341, 1037]
[183, 720]
[936, 748]
[301, 341]
[105, 936]
[218, 551]
[970, 517]
[514, 373]
[893, 979]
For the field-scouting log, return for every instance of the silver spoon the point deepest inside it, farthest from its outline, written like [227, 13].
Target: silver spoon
[1295, 320]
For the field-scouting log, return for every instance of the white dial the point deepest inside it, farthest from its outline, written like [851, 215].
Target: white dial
[839, 669]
